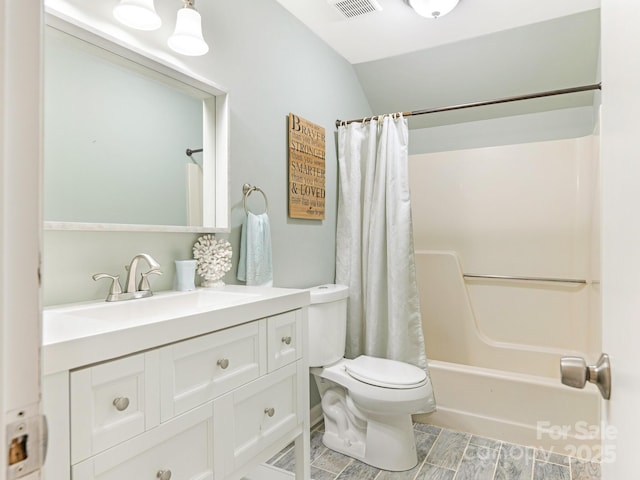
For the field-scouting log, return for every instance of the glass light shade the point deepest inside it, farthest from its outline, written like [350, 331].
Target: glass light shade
[138, 14]
[433, 8]
[187, 37]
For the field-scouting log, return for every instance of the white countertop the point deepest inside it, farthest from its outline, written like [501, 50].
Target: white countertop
[80, 334]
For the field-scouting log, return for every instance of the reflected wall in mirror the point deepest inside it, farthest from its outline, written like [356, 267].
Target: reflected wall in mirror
[115, 139]
[116, 135]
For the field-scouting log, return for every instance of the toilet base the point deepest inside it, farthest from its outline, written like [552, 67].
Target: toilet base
[371, 424]
[389, 445]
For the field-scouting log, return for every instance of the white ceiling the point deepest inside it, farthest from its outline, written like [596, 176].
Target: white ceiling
[397, 29]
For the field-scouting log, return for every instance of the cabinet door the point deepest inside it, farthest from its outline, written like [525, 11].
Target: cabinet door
[112, 402]
[284, 336]
[181, 449]
[198, 370]
[254, 417]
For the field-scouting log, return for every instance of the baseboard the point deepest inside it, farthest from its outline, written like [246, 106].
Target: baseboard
[315, 415]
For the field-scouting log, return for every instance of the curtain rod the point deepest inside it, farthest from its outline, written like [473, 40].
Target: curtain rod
[549, 93]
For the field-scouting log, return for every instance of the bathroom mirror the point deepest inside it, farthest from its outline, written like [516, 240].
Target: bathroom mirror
[117, 127]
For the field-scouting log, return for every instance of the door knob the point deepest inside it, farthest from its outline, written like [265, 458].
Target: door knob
[574, 372]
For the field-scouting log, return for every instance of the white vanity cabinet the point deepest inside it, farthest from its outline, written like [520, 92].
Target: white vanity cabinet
[285, 339]
[112, 402]
[180, 449]
[253, 417]
[198, 370]
[211, 406]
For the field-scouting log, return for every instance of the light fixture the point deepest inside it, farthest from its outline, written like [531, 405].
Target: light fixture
[433, 8]
[187, 37]
[139, 14]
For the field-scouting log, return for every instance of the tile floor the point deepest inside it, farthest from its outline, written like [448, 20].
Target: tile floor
[447, 455]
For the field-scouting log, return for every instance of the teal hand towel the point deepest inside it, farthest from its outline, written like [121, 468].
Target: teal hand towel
[255, 264]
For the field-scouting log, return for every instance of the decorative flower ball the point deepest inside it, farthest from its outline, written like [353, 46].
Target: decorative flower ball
[214, 259]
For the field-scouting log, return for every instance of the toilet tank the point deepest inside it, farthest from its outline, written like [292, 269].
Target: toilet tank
[327, 324]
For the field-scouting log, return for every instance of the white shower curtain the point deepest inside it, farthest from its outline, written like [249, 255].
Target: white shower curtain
[375, 254]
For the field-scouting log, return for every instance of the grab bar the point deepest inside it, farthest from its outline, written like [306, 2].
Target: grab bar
[526, 279]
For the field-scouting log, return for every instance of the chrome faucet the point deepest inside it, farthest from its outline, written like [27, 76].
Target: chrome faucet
[132, 272]
[131, 291]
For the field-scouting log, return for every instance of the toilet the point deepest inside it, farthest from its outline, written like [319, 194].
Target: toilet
[366, 402]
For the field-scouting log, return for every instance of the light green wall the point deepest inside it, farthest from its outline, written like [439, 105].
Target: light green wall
[115, 139]
[271, 65]
[533, 127]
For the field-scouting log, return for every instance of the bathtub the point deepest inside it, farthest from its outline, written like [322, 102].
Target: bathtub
[500, 385]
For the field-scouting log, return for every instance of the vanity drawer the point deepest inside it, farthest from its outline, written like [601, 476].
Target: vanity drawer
[183, 447]
[254, 417]
[112, 402]
[198, 370]
[284, 338]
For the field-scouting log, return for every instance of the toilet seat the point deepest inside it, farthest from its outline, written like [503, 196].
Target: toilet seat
[375, 399]
[386, 373]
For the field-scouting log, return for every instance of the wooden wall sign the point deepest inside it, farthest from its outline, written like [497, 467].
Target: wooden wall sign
[306, 169]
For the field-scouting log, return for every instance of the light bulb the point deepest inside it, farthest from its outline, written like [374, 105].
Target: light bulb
[138, 14]
[187, 38]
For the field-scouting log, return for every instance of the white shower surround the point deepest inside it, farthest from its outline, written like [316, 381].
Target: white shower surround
[494, 346]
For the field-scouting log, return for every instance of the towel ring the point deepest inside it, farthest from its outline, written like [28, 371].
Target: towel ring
[247, 190]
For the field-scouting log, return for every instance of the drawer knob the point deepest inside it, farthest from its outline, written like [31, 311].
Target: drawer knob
[121, 403]
[270, 411]
[286, 340]
[163, 474]
[223, 362]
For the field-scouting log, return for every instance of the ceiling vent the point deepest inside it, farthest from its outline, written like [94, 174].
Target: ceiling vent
[355, 8]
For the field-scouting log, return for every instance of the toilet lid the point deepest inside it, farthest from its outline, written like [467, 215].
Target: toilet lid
[385, 373]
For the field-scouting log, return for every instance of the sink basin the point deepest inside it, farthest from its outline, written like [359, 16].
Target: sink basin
[158, 307]
[80, 320]
[163, 306]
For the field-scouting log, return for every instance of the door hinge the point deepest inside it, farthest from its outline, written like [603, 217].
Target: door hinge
[27, 443]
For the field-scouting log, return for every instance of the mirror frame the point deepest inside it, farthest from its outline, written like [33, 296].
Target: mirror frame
[215, 154]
